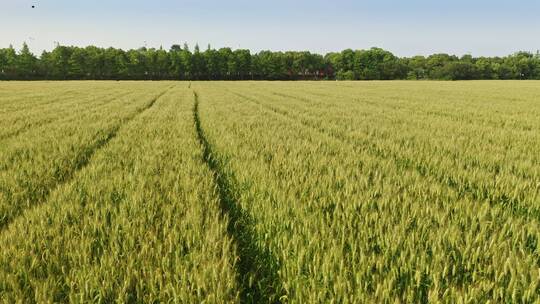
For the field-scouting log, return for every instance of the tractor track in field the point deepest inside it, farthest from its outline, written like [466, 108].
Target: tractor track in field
[256, 267]
[82, 160]
[463, 190]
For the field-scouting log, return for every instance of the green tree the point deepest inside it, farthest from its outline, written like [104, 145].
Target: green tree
[8, 61]
[59, 62]
[198, 64]
[435, 65]
[485, 68]
[459, 70]
[163, 64]
[417, 67]
[242, 59]
[26, 63]
[77, 64]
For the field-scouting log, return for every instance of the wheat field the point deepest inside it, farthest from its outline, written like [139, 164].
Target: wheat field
[270, 192]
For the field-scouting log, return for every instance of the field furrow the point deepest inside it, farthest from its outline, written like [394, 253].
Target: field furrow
[257, 274]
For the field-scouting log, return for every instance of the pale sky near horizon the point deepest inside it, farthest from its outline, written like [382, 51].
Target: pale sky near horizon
[406, 28]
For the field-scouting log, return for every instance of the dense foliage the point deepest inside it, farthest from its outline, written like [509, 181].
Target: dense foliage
[181, 63]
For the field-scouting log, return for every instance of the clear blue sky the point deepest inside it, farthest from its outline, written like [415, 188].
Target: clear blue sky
[477, 27]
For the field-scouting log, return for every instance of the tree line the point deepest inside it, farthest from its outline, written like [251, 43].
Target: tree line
[182, 63]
